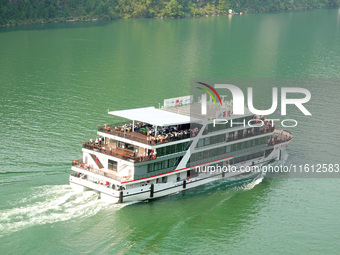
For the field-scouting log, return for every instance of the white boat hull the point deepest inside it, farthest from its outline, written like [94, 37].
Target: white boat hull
[164, 189]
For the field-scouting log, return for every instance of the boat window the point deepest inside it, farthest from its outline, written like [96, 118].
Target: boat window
[112, 165]
[166, 163]
[163, 164]
[127, 146]
[172, 149]
[200, 143]
[192, 173]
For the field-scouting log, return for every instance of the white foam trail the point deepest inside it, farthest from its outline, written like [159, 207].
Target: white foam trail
[259, 179]
[284, 157]
[55, 203]
[255, 182]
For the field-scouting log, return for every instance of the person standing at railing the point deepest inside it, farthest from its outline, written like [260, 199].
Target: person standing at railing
[151, 154]
[91, 141]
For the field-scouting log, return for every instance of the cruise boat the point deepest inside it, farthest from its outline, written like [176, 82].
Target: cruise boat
[165, 150]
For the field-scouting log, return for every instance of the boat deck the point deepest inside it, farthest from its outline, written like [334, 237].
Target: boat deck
[283, 134]
[103, 171]
[118, 152]
[143, 138]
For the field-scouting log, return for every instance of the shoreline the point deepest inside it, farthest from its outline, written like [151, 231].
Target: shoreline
[62, 20]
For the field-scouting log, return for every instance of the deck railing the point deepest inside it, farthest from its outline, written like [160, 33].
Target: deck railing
[280, 136]
[140, 135]
[126, 155]
[126, 134]
[80, 164]
[247, 135]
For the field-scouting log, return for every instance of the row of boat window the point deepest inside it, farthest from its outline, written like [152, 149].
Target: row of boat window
[245, 158]
[211, 140]
[163, 164]
[217, 139]
[203, 154]
[172, 149]
[218, 127]
[226, 149]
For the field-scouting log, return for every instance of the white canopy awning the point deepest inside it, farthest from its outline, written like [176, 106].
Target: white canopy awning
[153, 116]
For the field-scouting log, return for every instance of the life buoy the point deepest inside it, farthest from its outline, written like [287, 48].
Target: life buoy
[188, 178]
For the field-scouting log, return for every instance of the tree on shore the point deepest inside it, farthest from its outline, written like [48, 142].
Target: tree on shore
[33, 11]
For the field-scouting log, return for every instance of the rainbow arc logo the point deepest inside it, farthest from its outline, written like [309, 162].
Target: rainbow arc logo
[209, 93]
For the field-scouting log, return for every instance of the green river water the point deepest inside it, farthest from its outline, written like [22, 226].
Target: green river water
[57, 82]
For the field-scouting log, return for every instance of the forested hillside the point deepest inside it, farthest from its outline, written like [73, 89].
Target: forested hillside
[33, 11]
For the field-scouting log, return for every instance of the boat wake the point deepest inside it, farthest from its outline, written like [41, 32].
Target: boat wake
[255, 182]
[49, 204]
